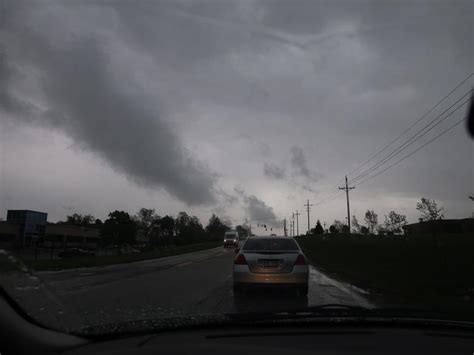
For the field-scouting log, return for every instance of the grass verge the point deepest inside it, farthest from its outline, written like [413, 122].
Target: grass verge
[116, 259]
[396, 271]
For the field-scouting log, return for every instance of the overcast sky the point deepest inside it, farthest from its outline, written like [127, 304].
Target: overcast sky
[242, 108]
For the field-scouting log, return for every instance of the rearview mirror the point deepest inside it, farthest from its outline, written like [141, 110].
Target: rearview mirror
[237, 250]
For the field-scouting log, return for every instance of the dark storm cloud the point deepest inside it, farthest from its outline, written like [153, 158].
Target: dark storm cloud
[257, 210]
[339, 78]
[85, 98]
[274, 171]
[300, 164]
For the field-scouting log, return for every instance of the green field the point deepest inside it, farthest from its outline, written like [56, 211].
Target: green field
[103, 260]
[420, 270]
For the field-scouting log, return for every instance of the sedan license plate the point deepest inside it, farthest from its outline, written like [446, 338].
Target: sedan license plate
[270, 262]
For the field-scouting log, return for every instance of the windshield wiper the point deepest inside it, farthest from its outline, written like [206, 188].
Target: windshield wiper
[327, 313]
[344, 311]
[325, 310]
[334, 307]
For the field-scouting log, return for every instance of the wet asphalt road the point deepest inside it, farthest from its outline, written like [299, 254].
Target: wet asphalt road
[197, 283]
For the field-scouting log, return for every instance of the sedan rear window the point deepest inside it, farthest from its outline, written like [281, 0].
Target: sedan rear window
[269, 244]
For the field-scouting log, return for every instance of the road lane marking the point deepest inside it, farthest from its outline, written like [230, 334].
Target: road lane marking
[184, 264]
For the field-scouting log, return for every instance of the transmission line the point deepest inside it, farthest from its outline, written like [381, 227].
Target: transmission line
[416, 150]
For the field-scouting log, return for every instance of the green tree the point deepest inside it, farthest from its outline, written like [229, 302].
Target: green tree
[429, 210]
[381, 230]
[318, 229]
[243, 230]
[197, 229]
[188, 229]
[364, 230]
[146, 218]
[119, 229]
[333, 229]
[371, 218]
[182, 223]
[394, 222]
[338, 225]
[355, 224]
[77, 219]
[167, 227]
[215, 228]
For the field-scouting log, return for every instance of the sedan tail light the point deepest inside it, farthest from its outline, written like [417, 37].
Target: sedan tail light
[240, 260]
[300, 260]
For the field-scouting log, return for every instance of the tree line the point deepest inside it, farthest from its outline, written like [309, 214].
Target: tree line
[392, 224]
[147, 227]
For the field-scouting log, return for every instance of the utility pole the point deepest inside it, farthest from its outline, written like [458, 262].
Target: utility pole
[347, 189]
[284, 228]
[293, 224]
[297, 224]
[308, 208]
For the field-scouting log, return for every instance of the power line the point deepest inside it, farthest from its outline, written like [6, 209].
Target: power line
[330, 192]
[414, 124]
[419, 148]
[334, 190]
[414, 138]
[329, 198]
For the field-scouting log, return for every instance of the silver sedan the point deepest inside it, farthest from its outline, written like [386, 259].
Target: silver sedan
[270, 261]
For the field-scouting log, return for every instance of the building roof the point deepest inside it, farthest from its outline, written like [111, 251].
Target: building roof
[26, 211]
[461, 220]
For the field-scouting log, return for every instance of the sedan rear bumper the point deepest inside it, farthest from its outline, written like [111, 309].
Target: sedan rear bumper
[243, 276]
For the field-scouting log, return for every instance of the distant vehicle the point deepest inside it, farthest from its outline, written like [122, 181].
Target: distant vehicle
[270, 262]
[273, 235]
[73, 252]
[231, 239]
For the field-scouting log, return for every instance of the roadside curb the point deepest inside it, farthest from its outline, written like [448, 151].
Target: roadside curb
[344, 287]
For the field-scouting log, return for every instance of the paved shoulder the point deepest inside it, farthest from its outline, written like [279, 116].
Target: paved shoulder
[324, 290]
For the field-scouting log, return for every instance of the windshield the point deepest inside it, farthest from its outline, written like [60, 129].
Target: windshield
[155, 157]
[270, 244]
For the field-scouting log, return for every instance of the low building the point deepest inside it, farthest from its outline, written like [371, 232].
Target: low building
[32, 226]
[29, 229]
[60, 236]
[455, 226]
